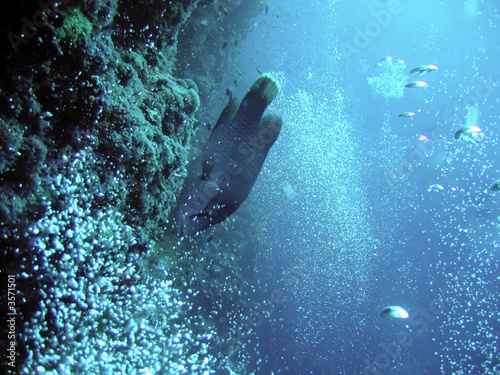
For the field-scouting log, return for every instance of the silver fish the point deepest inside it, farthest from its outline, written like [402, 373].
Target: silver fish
[424, 69]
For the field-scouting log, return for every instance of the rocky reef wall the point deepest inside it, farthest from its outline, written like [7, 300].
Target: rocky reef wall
[95, 131]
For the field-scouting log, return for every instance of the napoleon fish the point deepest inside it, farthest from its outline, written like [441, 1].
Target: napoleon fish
[227, 168]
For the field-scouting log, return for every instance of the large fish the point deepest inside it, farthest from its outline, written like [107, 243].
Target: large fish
[227, 168]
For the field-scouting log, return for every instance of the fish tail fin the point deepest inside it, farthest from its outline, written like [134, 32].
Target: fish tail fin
[267, 87]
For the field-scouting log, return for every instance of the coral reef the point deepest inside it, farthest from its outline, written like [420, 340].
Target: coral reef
[95, 133]
[93, 91]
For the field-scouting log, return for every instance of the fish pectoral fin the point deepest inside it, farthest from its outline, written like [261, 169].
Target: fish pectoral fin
[229, 111]
[206, 168]
[272, 122]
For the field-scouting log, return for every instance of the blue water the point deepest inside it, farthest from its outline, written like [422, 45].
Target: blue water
[362, 230]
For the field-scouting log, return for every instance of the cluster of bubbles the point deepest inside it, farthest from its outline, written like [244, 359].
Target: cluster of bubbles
[99, 305]
[390, 79]
[467, 221]
[318, 237]
[462, 210]
[319, 224]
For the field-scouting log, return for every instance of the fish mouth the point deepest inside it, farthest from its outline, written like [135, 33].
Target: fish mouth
[189, 224]
[181, 227]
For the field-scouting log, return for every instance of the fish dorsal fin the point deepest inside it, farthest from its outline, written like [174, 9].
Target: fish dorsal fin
[206, 168]
[229, 111]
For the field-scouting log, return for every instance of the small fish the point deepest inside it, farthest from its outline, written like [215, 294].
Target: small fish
[240, 72]
[210, 237]
[470, 130]
[424, 69]
[259, 70]
[436, 188]
[406, 114]
[394, 312]
[495, 186]
[223, 10]
[387, 59]
[416, 84]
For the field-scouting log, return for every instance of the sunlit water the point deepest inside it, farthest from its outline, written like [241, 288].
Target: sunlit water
[350, 223]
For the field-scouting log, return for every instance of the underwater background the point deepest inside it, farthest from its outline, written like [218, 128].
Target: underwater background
[103, 104]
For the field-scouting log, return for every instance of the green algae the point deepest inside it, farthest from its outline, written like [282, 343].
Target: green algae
[76, 26]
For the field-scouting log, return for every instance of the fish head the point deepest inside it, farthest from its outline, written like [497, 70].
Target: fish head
[193, 210]
[202, 208]
[187, 225]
